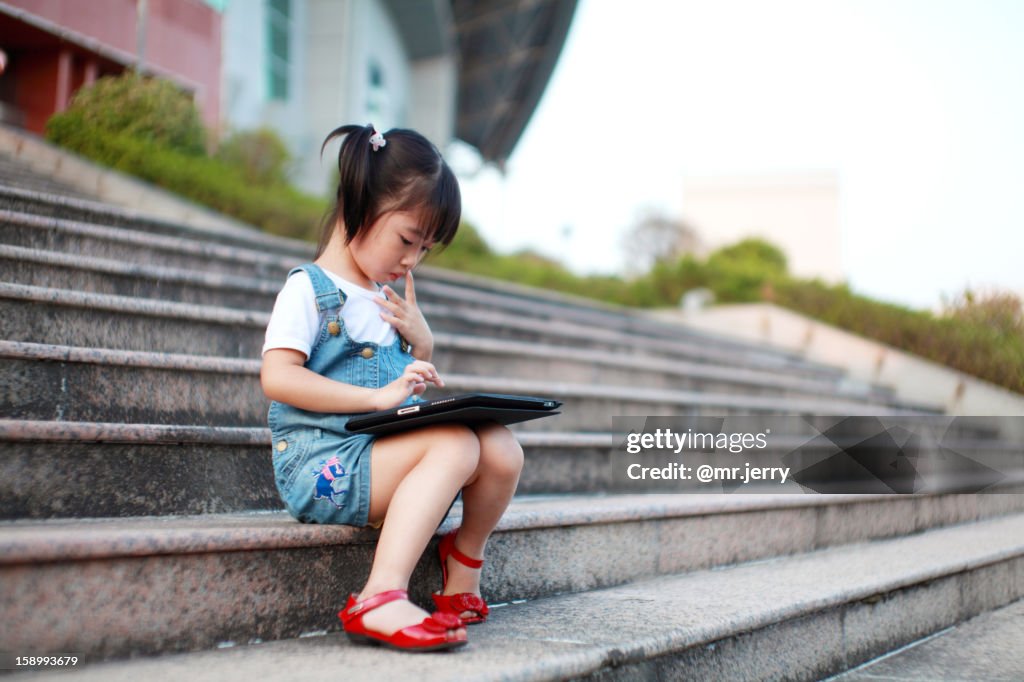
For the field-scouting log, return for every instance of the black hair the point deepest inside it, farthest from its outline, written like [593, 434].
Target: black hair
[406, 174]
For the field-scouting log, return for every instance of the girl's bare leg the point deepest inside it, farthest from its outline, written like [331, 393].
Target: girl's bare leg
[485, 497]
[414, 477]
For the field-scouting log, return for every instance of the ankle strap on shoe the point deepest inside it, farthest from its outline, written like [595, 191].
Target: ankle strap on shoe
[358, 608]
[462, 558]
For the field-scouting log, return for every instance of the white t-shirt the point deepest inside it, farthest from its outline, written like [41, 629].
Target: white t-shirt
[296, 323]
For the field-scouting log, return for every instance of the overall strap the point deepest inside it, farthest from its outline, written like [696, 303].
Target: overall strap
[328, 295]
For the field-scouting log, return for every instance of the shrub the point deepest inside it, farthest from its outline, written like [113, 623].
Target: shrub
[741, 271]
[279, 209]
[1001, 311]
[261, 156]
[147, 109]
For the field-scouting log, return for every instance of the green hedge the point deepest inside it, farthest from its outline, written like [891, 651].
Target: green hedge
[975, 348]
[277, 208]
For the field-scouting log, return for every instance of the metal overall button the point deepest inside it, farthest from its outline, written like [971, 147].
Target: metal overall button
[333, 328]
[367, 353]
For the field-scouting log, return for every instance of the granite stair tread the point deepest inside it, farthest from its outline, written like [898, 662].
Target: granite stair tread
[819, 613]
[57, 431]
[215, 251]
[18, 176]
[625, 399]
[453, 342]
[29, 541]
[163, 274]
[112, 359]
[141, 469]
[41, 202]
[487, 292]
[986, 647]
[235, 287]
[602, 318]
[256, 320]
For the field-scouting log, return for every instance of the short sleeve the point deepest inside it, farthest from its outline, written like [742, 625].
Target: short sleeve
[295, 321]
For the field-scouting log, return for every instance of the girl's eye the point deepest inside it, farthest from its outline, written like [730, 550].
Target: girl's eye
[406, 241]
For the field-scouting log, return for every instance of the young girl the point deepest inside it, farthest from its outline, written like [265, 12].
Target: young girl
[339, 343]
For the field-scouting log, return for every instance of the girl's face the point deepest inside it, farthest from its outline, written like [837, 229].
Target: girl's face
[392, 246]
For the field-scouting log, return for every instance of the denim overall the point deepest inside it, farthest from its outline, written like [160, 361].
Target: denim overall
[323, 471]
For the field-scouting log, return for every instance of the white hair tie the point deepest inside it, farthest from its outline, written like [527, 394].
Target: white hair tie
[377, 141]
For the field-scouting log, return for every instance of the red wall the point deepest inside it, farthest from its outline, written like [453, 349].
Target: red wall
[36, 89]
[182, 41]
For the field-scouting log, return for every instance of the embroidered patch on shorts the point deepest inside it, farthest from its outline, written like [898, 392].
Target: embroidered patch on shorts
[331, 482]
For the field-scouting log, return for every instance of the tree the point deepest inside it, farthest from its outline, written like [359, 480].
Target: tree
[745, 270]
[657, 238]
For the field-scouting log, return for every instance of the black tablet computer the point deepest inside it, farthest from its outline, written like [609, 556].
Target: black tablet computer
[467, 408]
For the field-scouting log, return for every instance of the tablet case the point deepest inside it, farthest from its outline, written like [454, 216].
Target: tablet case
[468, 408]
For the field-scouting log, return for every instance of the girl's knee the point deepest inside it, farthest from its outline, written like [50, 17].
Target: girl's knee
[457, 444]
[500, 450]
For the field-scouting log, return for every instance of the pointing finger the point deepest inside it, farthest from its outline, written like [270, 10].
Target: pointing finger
[410, 288]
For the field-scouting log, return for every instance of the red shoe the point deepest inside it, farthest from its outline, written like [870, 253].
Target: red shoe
[456, 604]
[433, 634]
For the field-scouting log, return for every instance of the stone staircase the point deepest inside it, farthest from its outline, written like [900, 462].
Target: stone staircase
[142, 531]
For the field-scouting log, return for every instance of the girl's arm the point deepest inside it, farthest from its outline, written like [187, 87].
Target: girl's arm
[286, 380]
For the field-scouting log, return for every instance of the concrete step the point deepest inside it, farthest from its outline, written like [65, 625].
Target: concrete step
[76, 207]
[986, 647]
[57, 316]
[49, 381]
[66, 271]
[153, 469]
[35, 314]
[473, 295]
[474, 354]
[816, 612]
[142, 248]
[105, 243]
[17, 176]
[484, 292]
[60, 382]
[150, 469]
[57, 270]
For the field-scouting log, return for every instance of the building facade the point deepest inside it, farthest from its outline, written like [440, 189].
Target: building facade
[798, 212]
[54, 47]
[304, 67]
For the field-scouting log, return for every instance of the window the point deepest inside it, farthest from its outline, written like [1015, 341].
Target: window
[376, 95]
[278, 62]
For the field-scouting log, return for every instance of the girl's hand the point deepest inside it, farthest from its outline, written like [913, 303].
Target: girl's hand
[413, 381]
[405, 316]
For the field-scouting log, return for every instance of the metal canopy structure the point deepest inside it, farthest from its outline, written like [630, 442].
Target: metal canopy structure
[507, 50]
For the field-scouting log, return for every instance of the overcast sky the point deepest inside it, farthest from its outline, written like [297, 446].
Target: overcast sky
[918, 105]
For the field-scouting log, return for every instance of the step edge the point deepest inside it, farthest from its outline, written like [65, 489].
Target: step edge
[60, 540]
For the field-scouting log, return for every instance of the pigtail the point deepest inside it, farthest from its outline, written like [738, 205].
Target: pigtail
[353, 195]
